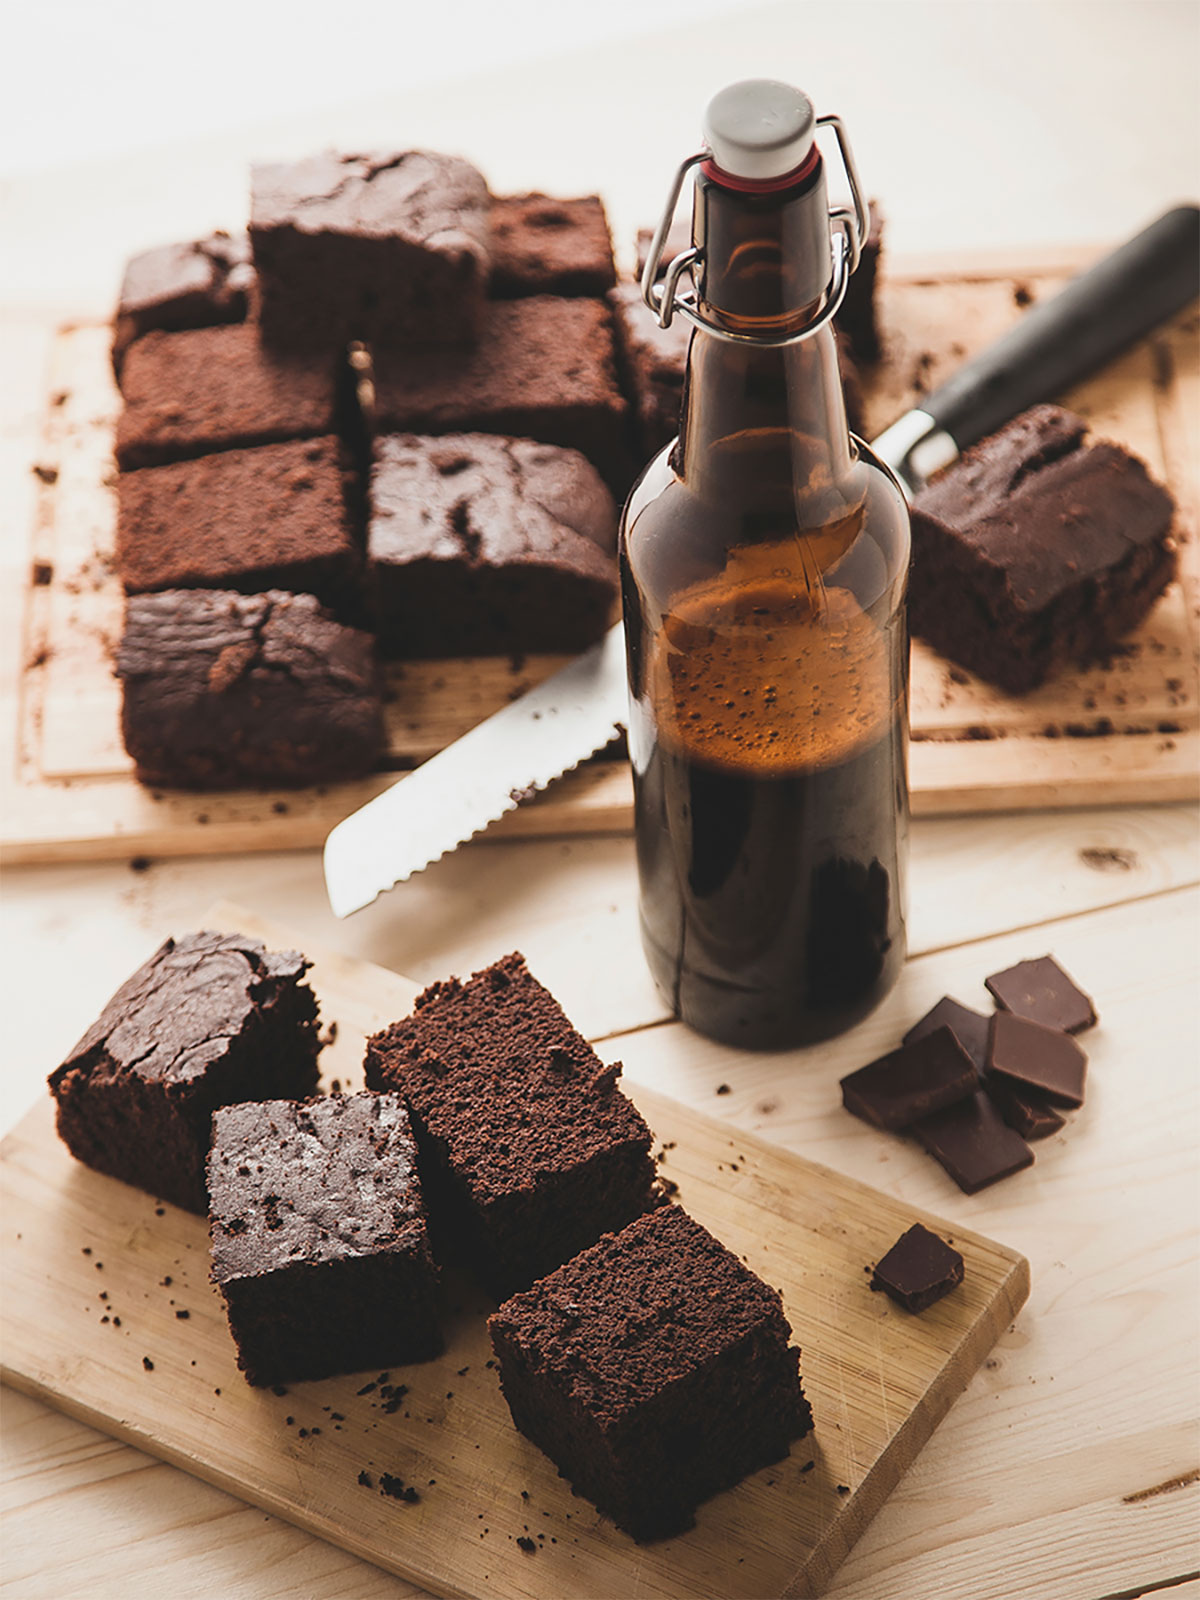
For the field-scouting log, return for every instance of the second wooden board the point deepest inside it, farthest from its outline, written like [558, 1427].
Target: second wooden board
[108, 1313]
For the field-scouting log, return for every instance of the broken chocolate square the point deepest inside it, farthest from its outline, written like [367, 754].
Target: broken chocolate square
[919, 1078]
[974, 1143]
[1039, 1058]
[1042, 991]
[919, 1269]
[1028, 1112]
[970, 1028]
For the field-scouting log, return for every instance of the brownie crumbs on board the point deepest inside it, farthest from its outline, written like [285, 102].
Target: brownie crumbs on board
[396, 1489]
[527, 1544]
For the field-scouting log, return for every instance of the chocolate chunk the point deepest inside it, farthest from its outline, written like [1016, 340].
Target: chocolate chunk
[970, 1028]
[1029, 1113]
[1042, 991]
[919, 1269]
[974, 1143]
[1039, 1058]
[921, 1077]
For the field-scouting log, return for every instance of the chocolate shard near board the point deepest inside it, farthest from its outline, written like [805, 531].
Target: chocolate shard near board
[918, 1270]
[922, 1077]
[1042, 991]
[1035, 1057]
[974, 1143]
[1030, 1114]
[969, 1027]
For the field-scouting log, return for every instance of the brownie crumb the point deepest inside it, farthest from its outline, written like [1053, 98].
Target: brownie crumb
[278, 1388]
[166, 1282]
[364, 1478]
[843, 1488]
[528, 1545]
[141, 864]
[86, 1251]
[808, 1466]
[182, 1316]
[42, 574]
[396, 1489]
[723, 1088]
[116, 1322]
[45, 474]
[1022, 295]
[147, 1363]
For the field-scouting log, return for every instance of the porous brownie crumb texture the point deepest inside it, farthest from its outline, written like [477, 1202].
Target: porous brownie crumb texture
[210, 1019]
[199, 284]
[654, 1369]
[544, 245]
[277, 517]
[319, 1243]
[529, 1150]
[223, 689]
[482, 545]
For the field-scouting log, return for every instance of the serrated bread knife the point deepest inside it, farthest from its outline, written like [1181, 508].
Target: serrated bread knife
[570, 716]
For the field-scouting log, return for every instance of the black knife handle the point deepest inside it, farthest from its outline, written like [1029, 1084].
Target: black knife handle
[1063, 339]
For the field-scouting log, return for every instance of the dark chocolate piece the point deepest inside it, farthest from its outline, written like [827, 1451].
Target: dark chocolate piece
[208, 389]
[654, 1370]
[969, 1027]
[973, 1142]
[195, 285]
[931, 1072]
[919, 1269]
[222, 690]
[319, 1243]
[481, 545]
[1042, 991]
[1032, 551]
[529, 1150]
[1022, 1108]
[544, 368]
[387, 247]
[1035, 1057]
[210, 1019]
[543, 245]
[282, 516]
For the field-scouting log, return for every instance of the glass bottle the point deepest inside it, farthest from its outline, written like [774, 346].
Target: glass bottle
[764, 556]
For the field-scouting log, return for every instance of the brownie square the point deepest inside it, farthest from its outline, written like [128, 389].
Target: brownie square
[222, 690]
[388, 247]
[210, 1019]
[654, 1370]
[544, 369]
[651, 361]
[543, 245]
[196, 285]
[208, 389]
[319, 1243]
[1033, 551]
[281, 516]
[481, 545]
[529, 1151]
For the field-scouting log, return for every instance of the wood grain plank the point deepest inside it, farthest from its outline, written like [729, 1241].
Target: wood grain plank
[74, 797]
[880, 1380]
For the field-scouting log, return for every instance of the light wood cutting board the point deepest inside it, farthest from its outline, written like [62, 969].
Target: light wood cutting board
[1125, 732]
[107, 1313]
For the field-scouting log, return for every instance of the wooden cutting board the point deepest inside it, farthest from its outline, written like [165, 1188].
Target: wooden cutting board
[107, 1313]
[1126, 732]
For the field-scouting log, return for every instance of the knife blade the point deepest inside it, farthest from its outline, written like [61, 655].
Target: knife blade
[470, 783]
[551, 729]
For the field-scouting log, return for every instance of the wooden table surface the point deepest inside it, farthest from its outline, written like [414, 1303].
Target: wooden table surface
[1070, 1467]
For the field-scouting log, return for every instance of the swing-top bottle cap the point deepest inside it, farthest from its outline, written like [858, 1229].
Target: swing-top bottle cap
[759, 128]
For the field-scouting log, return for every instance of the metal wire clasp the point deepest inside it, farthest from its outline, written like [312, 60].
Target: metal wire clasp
[848, 227]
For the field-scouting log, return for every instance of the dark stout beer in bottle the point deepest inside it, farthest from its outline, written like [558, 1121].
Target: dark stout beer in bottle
[764, 557]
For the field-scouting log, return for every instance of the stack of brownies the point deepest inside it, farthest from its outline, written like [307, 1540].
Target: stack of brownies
[647, 1361]
[396, 420]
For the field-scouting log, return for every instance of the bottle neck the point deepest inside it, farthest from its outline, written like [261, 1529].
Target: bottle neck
[761, 423]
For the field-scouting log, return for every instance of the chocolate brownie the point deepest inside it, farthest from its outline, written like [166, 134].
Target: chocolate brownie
[208, 389]
[651, 361]
[319, 1244]
[542, 245]
[544, 369]
[177, 286]
[529, 1151]
[857, 318]
[481, 545]
[282, 516]
[1033, 551]
[389, 247]
[654, 1370]
[210, 1019]
[223, 689]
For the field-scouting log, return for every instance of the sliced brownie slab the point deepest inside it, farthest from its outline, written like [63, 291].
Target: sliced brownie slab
[207, 389]
[481, 545]
[281, 516]
[319, 1245]
[222, 690]
[654, 1369]
[529, 1151]
[210, 1019]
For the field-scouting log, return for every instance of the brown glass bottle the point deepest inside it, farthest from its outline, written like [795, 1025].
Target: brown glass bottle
[764, 558]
